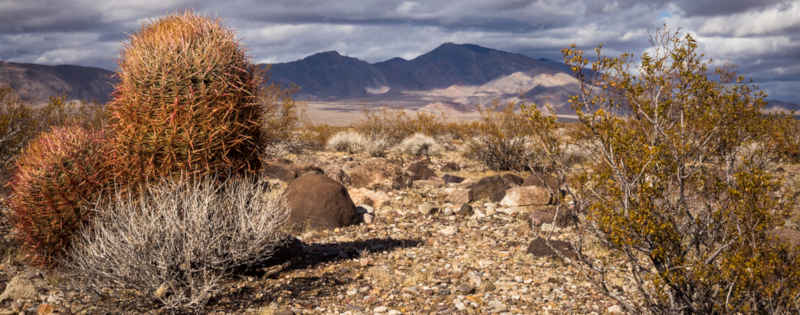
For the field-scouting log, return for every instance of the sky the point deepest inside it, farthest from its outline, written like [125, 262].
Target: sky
[760, 37]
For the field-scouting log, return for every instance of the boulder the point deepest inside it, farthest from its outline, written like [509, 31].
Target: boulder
[318, 202]
[494, 187]
[526, 196]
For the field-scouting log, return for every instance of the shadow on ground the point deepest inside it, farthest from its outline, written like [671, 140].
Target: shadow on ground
[296, 255]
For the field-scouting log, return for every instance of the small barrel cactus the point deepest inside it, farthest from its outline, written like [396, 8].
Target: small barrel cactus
[58, 178]
[186, 102]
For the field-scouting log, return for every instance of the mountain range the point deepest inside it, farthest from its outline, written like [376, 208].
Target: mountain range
[459, 76]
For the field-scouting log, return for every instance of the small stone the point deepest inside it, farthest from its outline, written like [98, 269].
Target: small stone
[428, 208]
[497, 307]
[450, 230]
[394, 312]
[460, 306]
[380, 309]
[616, 309]
[465, 289]
[352, 292]
[465, 210]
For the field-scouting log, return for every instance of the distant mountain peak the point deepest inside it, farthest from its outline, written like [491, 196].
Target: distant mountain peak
[325, 55]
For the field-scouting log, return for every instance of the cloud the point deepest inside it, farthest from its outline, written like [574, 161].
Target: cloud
[761, 36]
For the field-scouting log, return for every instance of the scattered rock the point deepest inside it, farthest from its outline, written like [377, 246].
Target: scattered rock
[370, 173]
[451, 167]
[427, 208]
[432, 183]
[452, 179]
[541, 180]
[316, 201]
[458, 195]
[526, 196]
[616, 309]
[465, 210]
[497, 307]
[419, 170]
[363, 196]
[538, 248]
[448, 231]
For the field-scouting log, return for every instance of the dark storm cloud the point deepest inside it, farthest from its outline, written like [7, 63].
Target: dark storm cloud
[758, 35]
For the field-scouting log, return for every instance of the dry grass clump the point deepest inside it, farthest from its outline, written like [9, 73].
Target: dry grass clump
[354, 142]
[396, 125]
[172, 244]
[419, 145]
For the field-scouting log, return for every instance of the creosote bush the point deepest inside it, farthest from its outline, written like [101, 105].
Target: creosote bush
[684, 211]
[59, 174]
[172, 244]
[504, 140]
[187, 102]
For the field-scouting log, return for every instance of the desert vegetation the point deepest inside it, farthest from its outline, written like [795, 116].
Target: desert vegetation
[671, 194]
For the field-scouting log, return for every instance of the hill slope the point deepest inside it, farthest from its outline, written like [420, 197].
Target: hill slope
[36, 83]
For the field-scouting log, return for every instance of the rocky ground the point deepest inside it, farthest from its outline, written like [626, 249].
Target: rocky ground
[428, 245]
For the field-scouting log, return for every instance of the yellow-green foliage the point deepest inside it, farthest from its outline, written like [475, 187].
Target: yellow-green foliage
[186, 102]
[692, 225]
[58, 175]
[784, 133]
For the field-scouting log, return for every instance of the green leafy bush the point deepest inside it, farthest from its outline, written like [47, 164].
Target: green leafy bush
[59, 174]
[187, 102]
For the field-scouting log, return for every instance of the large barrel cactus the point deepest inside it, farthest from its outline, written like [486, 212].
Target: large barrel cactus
[58, 179]
[186, 102]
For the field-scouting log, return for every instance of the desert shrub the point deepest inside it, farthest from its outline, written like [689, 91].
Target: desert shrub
[58, 174]
[783, 132]
[21, 122]
[17, 125]
[172, 244]
[316, 136]
[347, 141]
[419, 145]
[281, 114]
[504, 139]
[396, 125]
[689, 225]
[187, 102]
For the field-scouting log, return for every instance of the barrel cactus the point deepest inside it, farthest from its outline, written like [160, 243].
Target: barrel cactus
[59, 176]
[186, 102]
